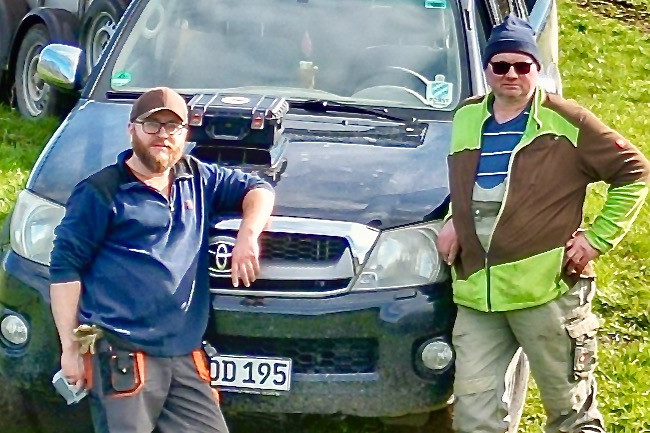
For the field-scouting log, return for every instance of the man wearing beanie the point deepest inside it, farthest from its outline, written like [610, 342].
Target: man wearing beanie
[520, 162]
[129, 272]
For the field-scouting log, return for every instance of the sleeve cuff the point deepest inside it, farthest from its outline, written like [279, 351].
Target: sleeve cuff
[596, 242]
[58, 276]
[262, 185]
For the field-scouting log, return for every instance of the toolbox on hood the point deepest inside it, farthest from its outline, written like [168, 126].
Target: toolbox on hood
[227, 119]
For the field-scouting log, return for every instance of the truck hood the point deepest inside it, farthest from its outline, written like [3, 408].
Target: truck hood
[366, 179]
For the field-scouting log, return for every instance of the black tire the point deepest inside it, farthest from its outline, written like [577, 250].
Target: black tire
[97, 27]
[34, 98]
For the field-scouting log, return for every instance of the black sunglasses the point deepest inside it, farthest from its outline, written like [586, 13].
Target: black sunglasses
[502, 68]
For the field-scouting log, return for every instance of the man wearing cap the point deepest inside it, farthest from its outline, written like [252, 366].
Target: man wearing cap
[520, 162]
[129, 275]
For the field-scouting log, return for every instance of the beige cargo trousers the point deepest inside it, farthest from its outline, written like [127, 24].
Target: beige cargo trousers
[559, 339]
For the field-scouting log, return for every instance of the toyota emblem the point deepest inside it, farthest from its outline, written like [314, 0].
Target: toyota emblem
[221, 251]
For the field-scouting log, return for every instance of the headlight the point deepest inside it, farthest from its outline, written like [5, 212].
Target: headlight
[403, 257]
[32, 227]
[14, 329]
[437, 355]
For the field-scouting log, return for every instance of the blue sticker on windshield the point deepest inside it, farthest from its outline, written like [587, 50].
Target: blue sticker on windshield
[439, 93]
[120, 79]
[435, 4]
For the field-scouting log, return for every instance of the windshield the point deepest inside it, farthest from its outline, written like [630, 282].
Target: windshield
[372, 52]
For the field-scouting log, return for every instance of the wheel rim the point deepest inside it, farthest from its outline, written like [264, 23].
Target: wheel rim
[35, 91]
[100, 32]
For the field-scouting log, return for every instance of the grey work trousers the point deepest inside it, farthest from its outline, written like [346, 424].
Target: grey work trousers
[559, 339]
[168, 395]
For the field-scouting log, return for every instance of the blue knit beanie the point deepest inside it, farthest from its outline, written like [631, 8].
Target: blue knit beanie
[513, 35]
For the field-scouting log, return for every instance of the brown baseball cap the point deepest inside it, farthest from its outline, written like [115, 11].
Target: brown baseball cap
[157, 99]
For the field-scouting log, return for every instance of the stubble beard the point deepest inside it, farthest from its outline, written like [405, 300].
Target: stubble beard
[156, 163]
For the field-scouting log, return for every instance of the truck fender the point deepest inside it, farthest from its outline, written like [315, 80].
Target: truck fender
[62, 25]
[11, 12]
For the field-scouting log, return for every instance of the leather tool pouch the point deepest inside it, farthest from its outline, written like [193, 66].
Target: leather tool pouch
[124, 377]
[123, 372]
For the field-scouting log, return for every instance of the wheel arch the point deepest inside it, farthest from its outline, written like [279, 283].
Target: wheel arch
[62, 25]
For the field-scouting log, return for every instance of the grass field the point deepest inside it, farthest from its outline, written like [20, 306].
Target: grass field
[606, 67]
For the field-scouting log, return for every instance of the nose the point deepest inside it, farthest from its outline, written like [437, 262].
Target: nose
[511, 73]
[162, 133]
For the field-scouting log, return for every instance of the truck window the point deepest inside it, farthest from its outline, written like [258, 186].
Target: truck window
[374, 52]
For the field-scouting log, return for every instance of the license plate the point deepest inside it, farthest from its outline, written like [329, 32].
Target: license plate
[250, 372]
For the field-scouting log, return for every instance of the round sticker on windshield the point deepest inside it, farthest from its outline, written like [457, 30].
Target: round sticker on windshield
[439, 94]
[235, 100]
[120, 79]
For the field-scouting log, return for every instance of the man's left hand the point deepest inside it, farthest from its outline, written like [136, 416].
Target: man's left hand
[245, 260]
[578, 253]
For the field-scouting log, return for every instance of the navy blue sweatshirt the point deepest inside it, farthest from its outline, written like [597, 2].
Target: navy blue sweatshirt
[142, 259]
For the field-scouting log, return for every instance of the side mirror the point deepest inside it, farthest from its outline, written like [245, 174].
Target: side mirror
[59, 66]
[551, 79]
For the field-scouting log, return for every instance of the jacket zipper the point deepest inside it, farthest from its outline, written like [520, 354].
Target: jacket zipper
[496, 221]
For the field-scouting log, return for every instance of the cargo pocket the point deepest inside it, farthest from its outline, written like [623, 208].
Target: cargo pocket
[203, 370]
[201, 365]
[584, 345]
[124, 371]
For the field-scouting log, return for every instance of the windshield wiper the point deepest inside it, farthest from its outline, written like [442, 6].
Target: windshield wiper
[323, 106]
[314, 105]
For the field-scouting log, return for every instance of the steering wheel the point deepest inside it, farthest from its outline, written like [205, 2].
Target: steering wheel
[391, 93]
[158, 14]
[394, 82]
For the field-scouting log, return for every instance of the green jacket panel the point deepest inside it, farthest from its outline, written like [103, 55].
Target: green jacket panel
[563, 149]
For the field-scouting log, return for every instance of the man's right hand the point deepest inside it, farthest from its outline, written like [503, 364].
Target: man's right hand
[72, 364]
[447, 242]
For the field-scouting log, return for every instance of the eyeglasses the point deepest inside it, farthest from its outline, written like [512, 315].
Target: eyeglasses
[502, 68]
[152, 127]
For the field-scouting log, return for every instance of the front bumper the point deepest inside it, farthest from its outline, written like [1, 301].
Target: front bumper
[370, 367]
[380, 331]
[32, 365]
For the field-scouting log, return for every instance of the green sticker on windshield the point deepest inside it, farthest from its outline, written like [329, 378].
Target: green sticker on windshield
[120, 79]
[435, 4]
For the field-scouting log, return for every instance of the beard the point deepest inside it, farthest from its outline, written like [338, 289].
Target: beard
[156, 162]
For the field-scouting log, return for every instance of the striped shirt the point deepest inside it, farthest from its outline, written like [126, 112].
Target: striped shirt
[499, 140]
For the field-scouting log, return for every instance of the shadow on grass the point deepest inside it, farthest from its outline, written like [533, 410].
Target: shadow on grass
[249, 423]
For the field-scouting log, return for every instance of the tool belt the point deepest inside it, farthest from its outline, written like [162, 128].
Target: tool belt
[121, 364]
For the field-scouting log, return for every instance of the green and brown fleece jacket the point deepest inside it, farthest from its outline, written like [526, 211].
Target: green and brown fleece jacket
[564, 148]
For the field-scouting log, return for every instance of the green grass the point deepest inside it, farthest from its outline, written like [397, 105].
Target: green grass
[20, 144]
[606, 68]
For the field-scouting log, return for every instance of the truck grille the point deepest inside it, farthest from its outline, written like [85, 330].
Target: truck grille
[298, 247]
[310, 356]
[287, 286]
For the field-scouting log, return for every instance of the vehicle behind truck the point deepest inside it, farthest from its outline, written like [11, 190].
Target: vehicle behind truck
[345, 107]
[27, 26]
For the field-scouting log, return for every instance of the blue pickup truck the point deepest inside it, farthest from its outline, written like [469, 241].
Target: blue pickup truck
[353, 310]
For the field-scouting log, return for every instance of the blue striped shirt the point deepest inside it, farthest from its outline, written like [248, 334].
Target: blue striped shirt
[498, 142]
